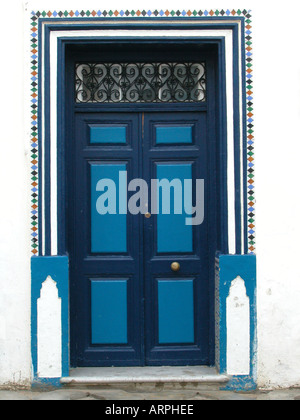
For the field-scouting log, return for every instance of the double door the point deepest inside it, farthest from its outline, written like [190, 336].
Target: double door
[138, 239]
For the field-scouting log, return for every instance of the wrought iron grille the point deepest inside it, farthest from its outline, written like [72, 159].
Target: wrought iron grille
[140, 82]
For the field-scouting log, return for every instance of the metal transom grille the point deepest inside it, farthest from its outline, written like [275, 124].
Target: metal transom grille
[140, 82]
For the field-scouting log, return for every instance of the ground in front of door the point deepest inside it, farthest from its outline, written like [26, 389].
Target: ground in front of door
[135, 394]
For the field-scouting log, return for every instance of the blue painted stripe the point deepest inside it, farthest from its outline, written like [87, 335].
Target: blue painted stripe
[174, 135]
[109, 311]
[108, 231]
[108, 135]
[173, 235]
[176, 311]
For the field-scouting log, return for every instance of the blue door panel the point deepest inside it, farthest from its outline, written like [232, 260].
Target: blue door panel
[174, 135]
[108, 231]
[176, 311]
[102, 134]
[173, 234]
[109, 311]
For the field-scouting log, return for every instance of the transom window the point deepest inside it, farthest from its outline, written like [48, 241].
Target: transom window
[140, 82]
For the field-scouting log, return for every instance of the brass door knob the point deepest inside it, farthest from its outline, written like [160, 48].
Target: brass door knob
[148, 215]
[175, 266]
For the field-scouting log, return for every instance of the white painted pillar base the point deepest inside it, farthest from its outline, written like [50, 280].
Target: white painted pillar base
[238, 329]
[49, 331]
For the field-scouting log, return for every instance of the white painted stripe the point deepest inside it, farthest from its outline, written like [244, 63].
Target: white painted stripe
[230, 146]
[241, 142]
[53, 143]
[43, 174]
[227, 34]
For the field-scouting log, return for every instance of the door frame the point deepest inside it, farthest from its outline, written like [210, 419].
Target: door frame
[51, 234]
[209, 106]
[123, 356]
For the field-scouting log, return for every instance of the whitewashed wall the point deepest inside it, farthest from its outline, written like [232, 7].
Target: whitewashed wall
[14, 208]
[277, 139]
[277, 118]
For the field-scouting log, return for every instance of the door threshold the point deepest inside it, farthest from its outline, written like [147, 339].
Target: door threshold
[140, 375]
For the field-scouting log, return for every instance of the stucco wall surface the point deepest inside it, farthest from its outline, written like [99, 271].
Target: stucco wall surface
[14, 209]
[277, 149]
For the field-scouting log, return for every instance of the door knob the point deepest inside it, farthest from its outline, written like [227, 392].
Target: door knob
[148, 215]
[175, 266]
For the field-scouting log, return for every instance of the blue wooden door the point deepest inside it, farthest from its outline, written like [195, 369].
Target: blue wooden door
[176, 302]
[139, 282]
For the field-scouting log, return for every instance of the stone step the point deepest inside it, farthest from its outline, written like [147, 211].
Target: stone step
[147, 377]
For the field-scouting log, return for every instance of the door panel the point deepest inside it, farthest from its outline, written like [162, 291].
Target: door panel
[173, 235]
[175, 134]
[109, 311]
[108, 231]
[103, 134]
[176, 311]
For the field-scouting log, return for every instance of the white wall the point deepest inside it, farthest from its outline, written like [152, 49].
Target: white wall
[277, 117]
[277, 140]
[14, 208]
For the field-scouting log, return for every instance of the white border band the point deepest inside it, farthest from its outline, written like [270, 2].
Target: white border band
[227, 35]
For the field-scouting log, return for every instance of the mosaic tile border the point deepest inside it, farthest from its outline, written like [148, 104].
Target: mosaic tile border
[34, 36]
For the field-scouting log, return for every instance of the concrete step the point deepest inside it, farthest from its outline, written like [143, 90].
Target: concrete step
[188, 377]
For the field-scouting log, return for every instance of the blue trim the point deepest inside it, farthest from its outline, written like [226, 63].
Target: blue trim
[47, 383]
[58, 269]
[61, 153]
[222, 148]
[241, 383]
[237, 163]
[40, 152]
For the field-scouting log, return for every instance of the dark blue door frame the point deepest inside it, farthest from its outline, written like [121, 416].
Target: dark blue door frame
[216, 109]
[217, 150]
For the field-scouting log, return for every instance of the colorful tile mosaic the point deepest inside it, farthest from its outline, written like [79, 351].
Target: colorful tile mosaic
[35, 16]
[250, 137]
[34, 137]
